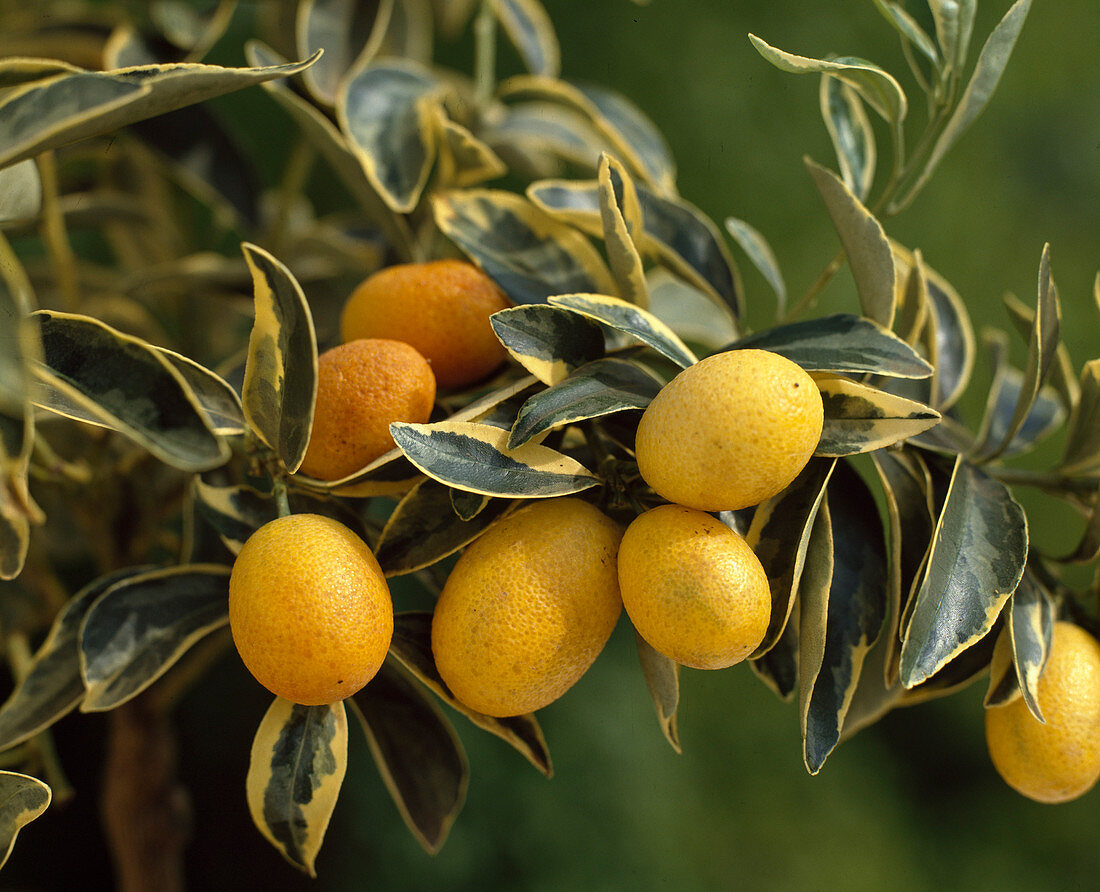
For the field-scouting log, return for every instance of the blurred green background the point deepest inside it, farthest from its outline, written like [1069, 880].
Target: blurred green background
[911, 803]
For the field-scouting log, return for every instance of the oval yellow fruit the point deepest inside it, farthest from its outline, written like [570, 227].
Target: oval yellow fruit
[693, 588]
[730, 431]
[1059, 760]
[309, 609]
[528, 607]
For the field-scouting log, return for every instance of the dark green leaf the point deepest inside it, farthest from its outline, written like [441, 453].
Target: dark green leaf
[411, 646]
[22, 799]
[140, 626]
[598, 388]
[547, 341]
[299, 757]
[778, 668]
[976, 560]
[532, 33]
[476, 457]
[868, 250]
[851, 133]
[528, 254]
[423, 528]
[841, 343]
[631, 319]
[417, 753]
[662, 677]
[123, 383]
[74, 105]
[855, 614]
[860, 418]
[53, 685]
[780, 535]
[280, 378]
[386, 111]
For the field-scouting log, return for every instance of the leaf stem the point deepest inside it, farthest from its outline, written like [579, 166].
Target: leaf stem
[485, 50]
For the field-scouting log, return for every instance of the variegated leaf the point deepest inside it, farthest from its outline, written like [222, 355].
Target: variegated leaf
[813, 616]
[349, 32]
[851, 133]
[411, 646]
[95, 373]
[621, 216]
[280, 377]
[842, 343]
[20, 192]
[424, 528]
[417, 752]
[758, 250]
[954, 22]
[547, 341]
[633, 320]
[22, 799]
[909, 29]
[977, 557]
[662, 677]
[1031, 617]
[476, 457]
[299, 757]
[53, 111]
[860, 418]
[528, 254]
[1082, 450]
[598, 388]
[140, 626]
[463, 160]
[532, 33]
[218, 400]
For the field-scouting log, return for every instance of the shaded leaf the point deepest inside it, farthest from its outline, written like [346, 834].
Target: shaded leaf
[95, 373]
[280, 379]
[760, 253]
[424, 528]
[217, 399]
[987, 74]
[20, 192]
[778, 668]
[1063, 378]
[841, 343]
[780, 535]
[662, 677]
[860, 418]
[869, 253]
[417, 752]
[72, 105]
[464, 160]
[137, 629]
[813, 615]
[539, 129]
[632, 320]
[53, 685]
[1031, 616]
[348, 31]
[532, 33]
[22, 799]
[598, 388]
[547, 341]
[299, 757]
[1008, 390]
[855, 614]
[976, 560]
[690, 312]
[476, 457]
[1082, 450]
[851, 133]
[528, 254]
[411, 646]
[385, 108]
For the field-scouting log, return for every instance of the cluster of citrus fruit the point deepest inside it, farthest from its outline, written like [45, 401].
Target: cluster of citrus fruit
[532, 601]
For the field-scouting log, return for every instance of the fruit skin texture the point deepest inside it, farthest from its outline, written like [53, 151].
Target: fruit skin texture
[1060, 760]
[693, 587]
[730, 431]
[441, 307]
[361, 387]
[309, 609]
[528, 607]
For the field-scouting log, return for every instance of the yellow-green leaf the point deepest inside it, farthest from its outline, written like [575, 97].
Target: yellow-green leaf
[299, 758]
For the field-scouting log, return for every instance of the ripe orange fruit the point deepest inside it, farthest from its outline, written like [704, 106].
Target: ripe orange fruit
[441, 307]
[730, 431]
[693, 588]
[309, 609]
[1059, 760]
[362, 386]
[528, 607]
